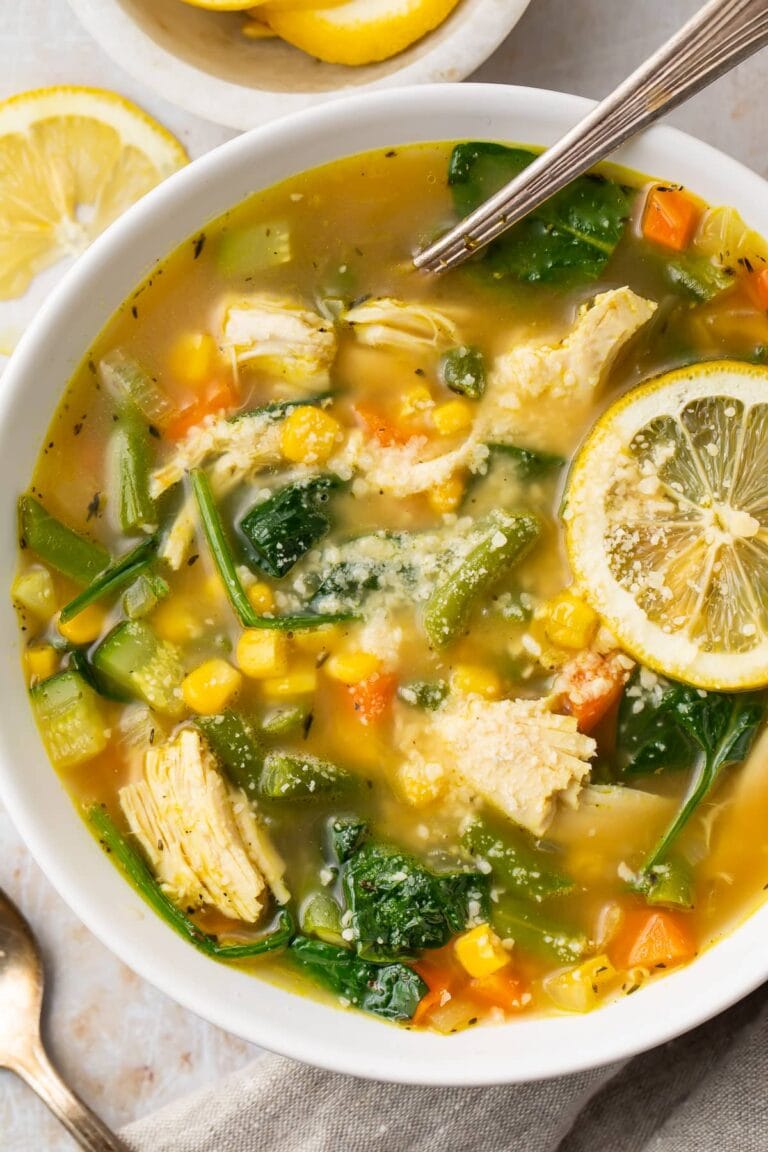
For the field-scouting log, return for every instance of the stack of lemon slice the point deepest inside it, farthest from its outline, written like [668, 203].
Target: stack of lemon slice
[349, 32]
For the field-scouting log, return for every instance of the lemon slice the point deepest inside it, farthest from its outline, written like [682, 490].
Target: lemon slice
[666, 517]
[221, 5]
[71, 160]
[358, 31]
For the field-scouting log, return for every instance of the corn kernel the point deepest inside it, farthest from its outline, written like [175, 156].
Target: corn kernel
[309, 435]
[415, 400]
[84, 627]
[477, 680]
[420, 784]
[177, 620]
[579, 989]
[299, 682]
[192, 358]
[42, 661]
[315, 641]
[480, 951]
[453, 417]
[569, 622]
[261, 653]
[210, 687]
[213, 589]
[447, 496]
[261, 597]
[351, 667]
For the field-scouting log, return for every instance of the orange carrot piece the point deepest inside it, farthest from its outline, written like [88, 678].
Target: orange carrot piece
[757, 284]
[379, 427]
[502, 990]
[590, 686]
[219, 396]
[651, 939]
[372, 697]
[670, 218]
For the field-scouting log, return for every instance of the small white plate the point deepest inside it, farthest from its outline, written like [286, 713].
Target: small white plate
[201, 61]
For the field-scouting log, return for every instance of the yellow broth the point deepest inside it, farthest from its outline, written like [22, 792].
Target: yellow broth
[352, 227]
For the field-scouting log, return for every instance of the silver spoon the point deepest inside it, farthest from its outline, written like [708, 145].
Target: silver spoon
[21, 1048]
[716, 39]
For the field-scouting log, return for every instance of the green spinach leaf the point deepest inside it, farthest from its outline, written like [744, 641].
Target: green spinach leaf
[570, 238]
[390, 990]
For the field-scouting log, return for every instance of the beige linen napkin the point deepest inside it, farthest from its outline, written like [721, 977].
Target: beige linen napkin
[705, 1092]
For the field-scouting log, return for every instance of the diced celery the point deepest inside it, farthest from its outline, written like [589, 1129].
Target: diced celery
[69, 717]
[580, 989]
[321, 916]
[33, 589]
[248, 250]
[144, 595]
[133, 659]
[128, 382]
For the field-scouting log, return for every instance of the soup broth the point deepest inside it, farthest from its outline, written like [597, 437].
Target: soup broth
[342, 713]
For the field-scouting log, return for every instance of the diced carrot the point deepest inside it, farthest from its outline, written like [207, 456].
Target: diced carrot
[590, 685]
[652, 938]
[757, 284]
[371, 698]
[439, 979]
[502, 989]
[670, 218]
[219, 396]
[378, 427]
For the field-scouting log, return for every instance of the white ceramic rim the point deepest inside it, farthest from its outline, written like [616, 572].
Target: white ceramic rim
[525, 1049]
[237, 106]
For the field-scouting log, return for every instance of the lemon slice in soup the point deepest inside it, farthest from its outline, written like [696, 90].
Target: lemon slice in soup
[357, 31]
[71, 160]
[666, 519]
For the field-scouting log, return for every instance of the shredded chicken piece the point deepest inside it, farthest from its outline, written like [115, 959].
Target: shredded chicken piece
[515, 754]
[389, 323]
[405, 470]
[244, 446]
[200, 836]
[571, 370]
[285, 339]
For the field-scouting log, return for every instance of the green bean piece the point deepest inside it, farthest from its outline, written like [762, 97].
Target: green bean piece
[529, 465]
[427, 694]
[236, 746]
[72, 555]
[518, 865]
[129, 455]
[122, 572]
[463, 371]
[285, 721]
[136, 870]
[505, 540]
[669, 884]
[224, 560]
[536, 933]
[290, 776]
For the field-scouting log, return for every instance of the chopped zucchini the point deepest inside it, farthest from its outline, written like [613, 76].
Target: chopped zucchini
[236, 746]
[144, 595]
[288, 776]
[33, 589]
[133, 659]
[69, 718]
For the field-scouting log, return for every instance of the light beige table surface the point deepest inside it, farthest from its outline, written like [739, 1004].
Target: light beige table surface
[123, 1045]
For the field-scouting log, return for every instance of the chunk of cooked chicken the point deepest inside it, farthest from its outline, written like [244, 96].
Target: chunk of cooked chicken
[282, 337]
[389, 323]
[243, 447]
[407, 469]
[200, 836]
[570, 370]
[515, 754]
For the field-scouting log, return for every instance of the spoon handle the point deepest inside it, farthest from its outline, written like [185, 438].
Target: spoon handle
[41, 1076]
[719, 36]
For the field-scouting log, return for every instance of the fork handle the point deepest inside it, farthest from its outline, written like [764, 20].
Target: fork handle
[39, 1073]
[719, 36]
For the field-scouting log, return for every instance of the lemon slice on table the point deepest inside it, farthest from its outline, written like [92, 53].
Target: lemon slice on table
[71, 160]
[358, 31]
[666, 518]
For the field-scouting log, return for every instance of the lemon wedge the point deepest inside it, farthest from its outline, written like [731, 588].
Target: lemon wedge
[666, 518]
[71, 160]
[358, 31]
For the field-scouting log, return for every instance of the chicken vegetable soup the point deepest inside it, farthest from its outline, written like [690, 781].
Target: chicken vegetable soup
[401, 638]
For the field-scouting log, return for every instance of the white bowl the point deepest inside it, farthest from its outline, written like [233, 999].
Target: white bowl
[525, 1049]
[201, 61]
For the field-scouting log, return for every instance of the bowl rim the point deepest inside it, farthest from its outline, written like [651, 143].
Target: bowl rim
[239, 106]
[525, 1049]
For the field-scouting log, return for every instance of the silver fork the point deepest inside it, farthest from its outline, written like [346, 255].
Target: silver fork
[716, 39]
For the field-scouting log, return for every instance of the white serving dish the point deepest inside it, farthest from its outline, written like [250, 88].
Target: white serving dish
[525, 1049]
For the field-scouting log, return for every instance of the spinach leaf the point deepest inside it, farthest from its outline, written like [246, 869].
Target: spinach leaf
[283, 528]
[649, 736]
[570, 238]
[346, 834]
[399, 905]
[390, 990]
[720, 729]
